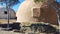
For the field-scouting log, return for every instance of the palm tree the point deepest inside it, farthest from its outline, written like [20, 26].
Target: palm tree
[9, 3]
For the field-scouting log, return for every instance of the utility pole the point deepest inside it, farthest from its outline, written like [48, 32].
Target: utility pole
[7, 8]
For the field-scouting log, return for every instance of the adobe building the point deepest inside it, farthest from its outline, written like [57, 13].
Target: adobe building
[29, 11]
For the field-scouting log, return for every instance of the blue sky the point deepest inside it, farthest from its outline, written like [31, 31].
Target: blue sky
[16, 6]
[58, 1]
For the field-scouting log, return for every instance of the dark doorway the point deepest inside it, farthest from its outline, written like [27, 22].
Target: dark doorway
[5, 12]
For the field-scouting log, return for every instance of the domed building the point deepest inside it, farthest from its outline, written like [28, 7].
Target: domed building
[29, 11]
[4, 13]
[25, 11]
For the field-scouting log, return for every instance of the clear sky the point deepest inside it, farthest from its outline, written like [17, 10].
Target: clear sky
[58, 1]
[16, 6]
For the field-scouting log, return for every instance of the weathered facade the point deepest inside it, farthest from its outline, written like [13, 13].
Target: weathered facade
[29, 11]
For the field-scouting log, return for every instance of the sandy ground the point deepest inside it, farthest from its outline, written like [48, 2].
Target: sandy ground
[4, 21]
[8, 32]
[12, 32]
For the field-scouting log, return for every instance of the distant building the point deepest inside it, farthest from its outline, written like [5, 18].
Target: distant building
[4, 13]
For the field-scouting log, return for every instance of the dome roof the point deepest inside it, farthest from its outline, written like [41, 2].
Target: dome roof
[26, 12]
[4, 8]
[4, 13]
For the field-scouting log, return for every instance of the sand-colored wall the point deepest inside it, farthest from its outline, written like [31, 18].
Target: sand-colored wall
[25, 13]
